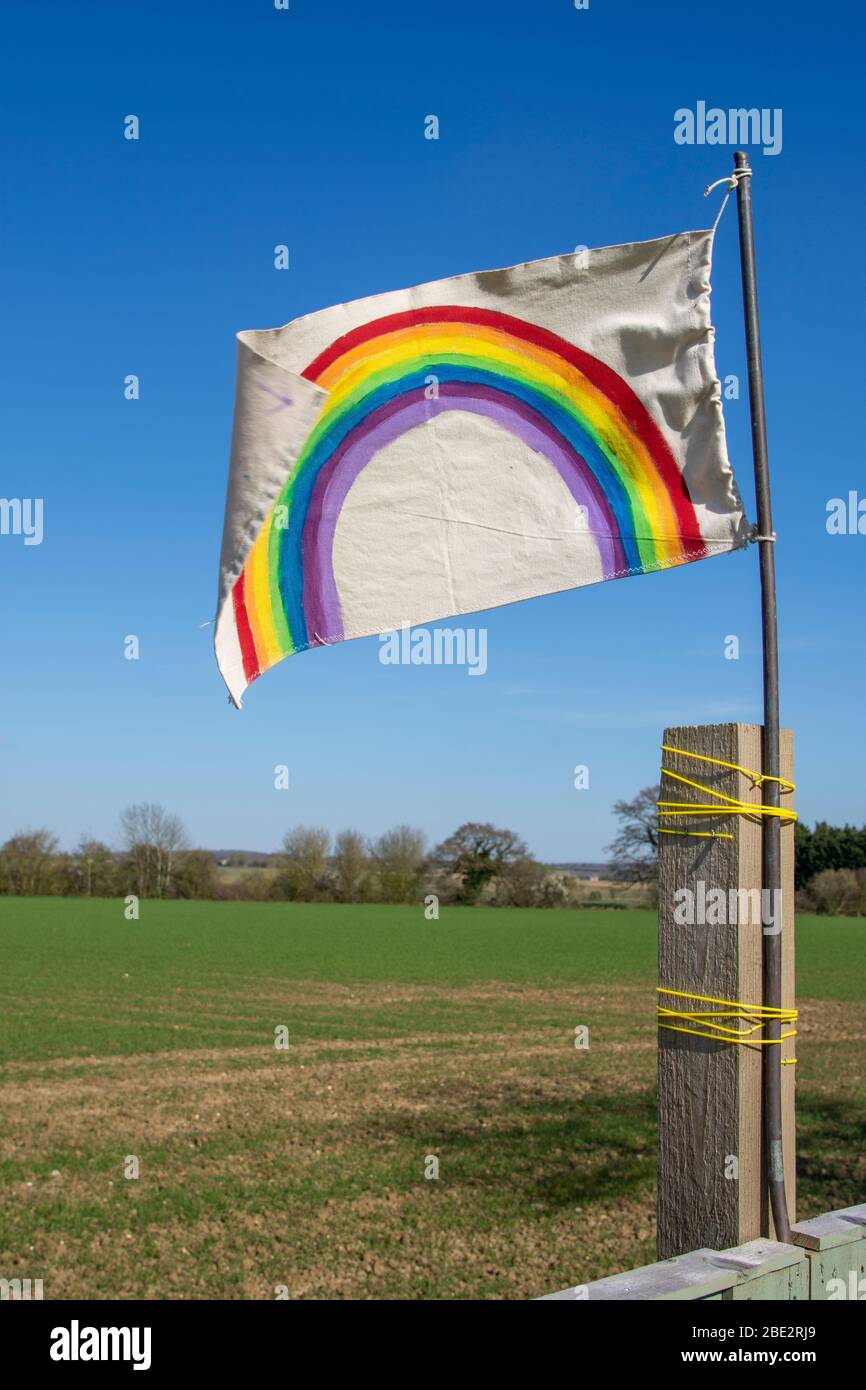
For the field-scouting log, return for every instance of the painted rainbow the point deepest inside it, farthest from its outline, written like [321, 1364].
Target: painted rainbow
[565, 404]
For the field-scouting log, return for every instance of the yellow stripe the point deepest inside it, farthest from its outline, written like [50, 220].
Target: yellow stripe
[258, 596]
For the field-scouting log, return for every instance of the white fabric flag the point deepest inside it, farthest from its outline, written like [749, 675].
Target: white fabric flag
[471, 442]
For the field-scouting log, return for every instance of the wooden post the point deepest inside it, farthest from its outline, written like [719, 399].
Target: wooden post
[712, 1189]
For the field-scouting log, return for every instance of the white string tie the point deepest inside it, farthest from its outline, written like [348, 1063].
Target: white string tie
[731, 180]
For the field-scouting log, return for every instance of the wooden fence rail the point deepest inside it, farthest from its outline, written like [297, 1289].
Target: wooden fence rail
[827, 1262]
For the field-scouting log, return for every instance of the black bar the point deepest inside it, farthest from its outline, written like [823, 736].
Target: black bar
[203, 1340]
[772, 992]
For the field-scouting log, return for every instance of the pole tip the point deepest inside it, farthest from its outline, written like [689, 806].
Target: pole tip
[741, 159]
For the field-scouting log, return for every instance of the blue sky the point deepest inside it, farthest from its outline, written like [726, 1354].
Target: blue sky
[306, 127]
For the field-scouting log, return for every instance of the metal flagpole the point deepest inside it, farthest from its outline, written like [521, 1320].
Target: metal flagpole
[772, 991]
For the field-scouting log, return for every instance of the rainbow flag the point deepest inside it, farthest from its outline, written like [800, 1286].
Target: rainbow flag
[472, 442]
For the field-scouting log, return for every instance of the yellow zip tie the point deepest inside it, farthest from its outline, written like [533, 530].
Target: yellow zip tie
[754, 1014]
[733, 807]
[756, 777]
[699, 834]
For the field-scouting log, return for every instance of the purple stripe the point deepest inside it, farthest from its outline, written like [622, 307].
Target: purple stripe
[321, 600]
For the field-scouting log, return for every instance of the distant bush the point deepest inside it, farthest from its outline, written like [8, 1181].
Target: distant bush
[29, 864]
[194, 875]
[835, 892]
[253, 887]
[526, 883]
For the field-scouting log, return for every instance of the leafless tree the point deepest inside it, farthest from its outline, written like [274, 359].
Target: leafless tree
[153, 838]
[94, 868]
[634, 852]
[398, 856]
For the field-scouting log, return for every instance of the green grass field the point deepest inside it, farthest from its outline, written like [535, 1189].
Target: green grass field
[305, 1167]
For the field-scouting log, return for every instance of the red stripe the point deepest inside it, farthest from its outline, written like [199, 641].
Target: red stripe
[245, 632]
[608, 382]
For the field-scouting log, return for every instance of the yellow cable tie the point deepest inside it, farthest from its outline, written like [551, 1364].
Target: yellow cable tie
[756, 1015]
[685, 808]
[698, 834]
[756, 777]
[733, 807]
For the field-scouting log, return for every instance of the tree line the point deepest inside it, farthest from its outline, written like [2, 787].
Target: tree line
[477, 863]
[155, 861]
